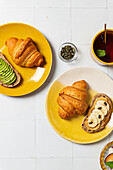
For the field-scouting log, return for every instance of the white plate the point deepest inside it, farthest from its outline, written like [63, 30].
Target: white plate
[95, 78]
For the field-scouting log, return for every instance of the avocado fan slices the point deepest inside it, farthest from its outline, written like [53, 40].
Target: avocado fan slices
[7, 75]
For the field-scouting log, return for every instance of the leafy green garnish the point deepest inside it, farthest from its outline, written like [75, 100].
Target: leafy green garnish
[100, 53]
[110, 164]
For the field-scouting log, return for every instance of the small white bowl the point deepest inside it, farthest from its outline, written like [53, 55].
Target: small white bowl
[73, 46]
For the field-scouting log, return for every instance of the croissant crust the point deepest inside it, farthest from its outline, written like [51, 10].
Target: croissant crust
[71, 100]
[24, 52]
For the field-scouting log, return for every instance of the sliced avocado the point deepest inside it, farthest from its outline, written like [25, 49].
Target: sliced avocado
[9, 79]
[14, 79]
[8, 66]
[7, 75]
[4, 71]
[4, 64]
[10, 75]
[2, 68]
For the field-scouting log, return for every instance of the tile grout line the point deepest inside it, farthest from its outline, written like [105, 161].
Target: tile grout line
[34, 15]
[27, 158]
[71, 19]
[34, 1]
[35, 121]
[65, 157]
[107, 23]
[41, 7]
[35, 131]
[94, 8]
[35, 138]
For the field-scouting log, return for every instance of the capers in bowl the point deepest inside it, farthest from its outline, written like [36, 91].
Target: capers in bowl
[67, 52]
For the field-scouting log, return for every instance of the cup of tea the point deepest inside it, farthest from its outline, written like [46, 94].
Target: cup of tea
[101, 51]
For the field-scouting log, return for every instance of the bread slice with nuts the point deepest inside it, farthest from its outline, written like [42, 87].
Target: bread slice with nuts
[99, 114]
[9, 77]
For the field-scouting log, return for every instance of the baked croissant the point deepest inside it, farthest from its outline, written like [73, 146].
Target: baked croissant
[71, 100]
[24, 52]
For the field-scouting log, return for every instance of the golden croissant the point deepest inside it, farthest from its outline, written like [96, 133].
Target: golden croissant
[24, 52]
[71, 100]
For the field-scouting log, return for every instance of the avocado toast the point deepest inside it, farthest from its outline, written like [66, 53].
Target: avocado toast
[9, 77]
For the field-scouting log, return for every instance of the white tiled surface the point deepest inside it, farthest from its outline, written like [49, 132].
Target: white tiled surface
[50, 3]
[89, 151]
[86, 163]
[17, 139]
[25, 108]
[18, 164]
[88, 4]
[85, 23]
[13, 14]
[50, 144]
[40, 101]
[54, 163]
[58, 24]
[27, 141]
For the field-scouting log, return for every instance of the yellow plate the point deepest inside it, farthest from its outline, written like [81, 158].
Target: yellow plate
[20, 30]
[71, 129]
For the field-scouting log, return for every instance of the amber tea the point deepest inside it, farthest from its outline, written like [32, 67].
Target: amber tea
[108, 47]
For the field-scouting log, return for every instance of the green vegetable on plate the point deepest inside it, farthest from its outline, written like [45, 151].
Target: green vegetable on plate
[110, 164]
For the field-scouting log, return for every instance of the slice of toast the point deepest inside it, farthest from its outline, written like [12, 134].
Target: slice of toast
[18, 77]
[101, 108]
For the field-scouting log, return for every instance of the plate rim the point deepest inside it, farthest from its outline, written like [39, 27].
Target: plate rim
[33, 27]
[78, 142]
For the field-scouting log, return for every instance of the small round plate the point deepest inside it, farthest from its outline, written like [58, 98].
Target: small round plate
[71, 129]
[31, 81]
[107, 150]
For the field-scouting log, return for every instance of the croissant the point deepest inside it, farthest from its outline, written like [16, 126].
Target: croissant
[71, 100]
[24, 52]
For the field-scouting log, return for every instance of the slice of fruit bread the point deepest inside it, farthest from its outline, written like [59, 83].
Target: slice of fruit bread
[99, 113]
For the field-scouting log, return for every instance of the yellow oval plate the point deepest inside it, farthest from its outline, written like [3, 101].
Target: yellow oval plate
[23, 31]
[71, 129]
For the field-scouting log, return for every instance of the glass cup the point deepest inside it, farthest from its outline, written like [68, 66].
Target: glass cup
[75, 54]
